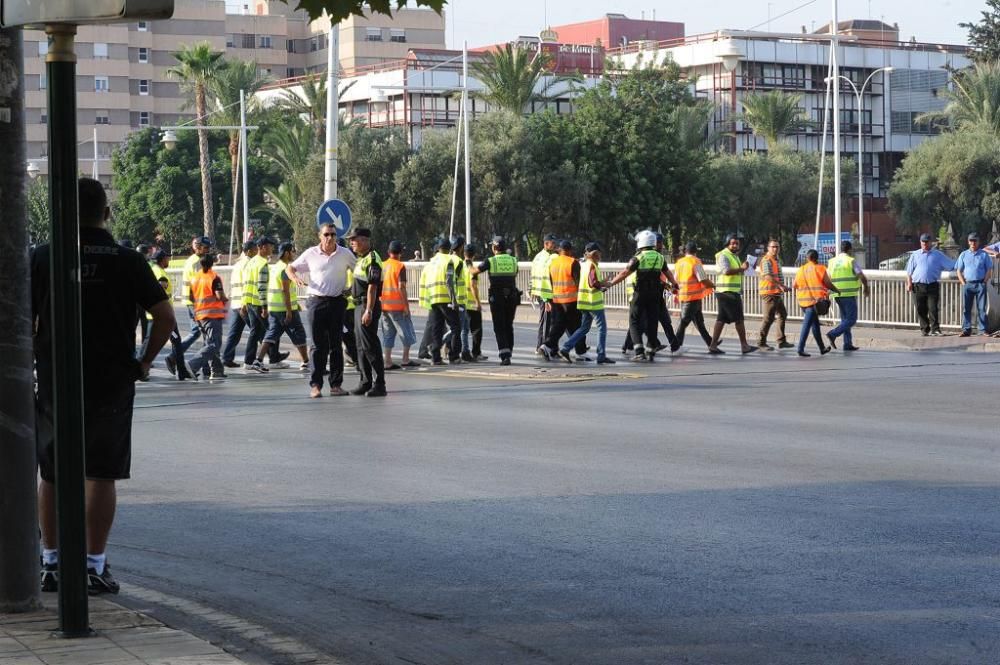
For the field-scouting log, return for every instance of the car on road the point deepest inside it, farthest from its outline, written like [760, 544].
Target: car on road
[895, 263]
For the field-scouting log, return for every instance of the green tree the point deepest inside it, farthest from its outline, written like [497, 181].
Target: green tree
[772, 115]
[974, 103]
[196, 67]
[369, 160]
[984, 36]
[310, 105]
[512, 74]
[39, 215]
[341, 9]
[422, 190]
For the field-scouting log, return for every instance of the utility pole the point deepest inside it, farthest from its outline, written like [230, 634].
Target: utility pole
[19, 590]
[332, 113]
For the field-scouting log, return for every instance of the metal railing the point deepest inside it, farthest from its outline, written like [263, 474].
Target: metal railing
[889, 305]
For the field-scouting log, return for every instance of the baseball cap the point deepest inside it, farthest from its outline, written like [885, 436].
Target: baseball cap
[359, 233]
[926, 237]
[441, 243]
[592, 247]
[264, 240]
[249, 244]
[566, 245]
[395, 247]
[498, 241]
[691, 247]
[160, 254]
[285, 246]
[204, 241]
[731, 237]
[457, 241]
[973, 236]
[550, 237]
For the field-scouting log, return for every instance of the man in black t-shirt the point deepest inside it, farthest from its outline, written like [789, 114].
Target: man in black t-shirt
[367, 291]
[114, 281]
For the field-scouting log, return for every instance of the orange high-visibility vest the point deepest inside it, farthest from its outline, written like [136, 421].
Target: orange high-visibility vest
[691, 287]
[564, 287]
[206, 304]
[809, 284]
[768, 286]
[393, 298]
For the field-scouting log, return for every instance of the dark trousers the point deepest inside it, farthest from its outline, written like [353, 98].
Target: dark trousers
[665, 323]
[544, 323]
[370, 361]
[564, 320]
[424, 350]
[925, 299]
[691, 313]
[475, 324]
[236, 326]
[195, 330]
[326, 321]
[503, 307]
[439, 317]
[774, 310]
[644, 317]
[810, 324]
[350, 342]
[258, 328]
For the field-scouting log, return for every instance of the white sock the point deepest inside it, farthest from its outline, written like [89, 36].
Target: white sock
[50, 557]
[96, 561]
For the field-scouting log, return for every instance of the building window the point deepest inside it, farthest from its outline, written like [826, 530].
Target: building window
[313, 44]
[100, 50]
[143, 86]
[101, 84]
[248, 41]
[143, 26]
[230, 41]
[102, 118]
[374, 34]
[43, 119]
[144, 118]
[397, 35]
[43, 81]
[265, 41]
[143, 54]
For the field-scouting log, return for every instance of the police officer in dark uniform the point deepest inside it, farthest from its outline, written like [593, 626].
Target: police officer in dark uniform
[503, 295]
[367, 292]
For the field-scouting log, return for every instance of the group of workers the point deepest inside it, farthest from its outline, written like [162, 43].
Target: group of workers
[353, 293]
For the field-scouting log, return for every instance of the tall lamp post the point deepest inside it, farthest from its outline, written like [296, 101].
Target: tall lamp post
[859, 95]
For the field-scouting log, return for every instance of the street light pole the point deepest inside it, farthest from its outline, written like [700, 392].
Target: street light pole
[834, 41]
[332, 114]
[93, 169]
[243, 156]
[465, 129]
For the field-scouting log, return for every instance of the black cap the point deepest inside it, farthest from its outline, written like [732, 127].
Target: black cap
[284, 247]
[592, 247]
[470, 249]
[457, 241]
[926, 237]
[204, 241]
[550, 237]
[160, 254]
[566, 245]
[846, 246]
[249, 244]
[359, 233]
[498, 241]
[442, 243]
[691, 247]
[264, 240]
[973, 236]
[731, 237]
[395, 247]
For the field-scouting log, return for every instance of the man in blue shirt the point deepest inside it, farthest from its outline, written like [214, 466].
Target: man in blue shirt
[923, 276]
[974, 267]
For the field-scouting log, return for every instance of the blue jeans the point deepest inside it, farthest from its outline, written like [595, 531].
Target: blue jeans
[589, 317]
[208, 361]
[195, 331]
[848, 317]
[397, 322]
[810, 322]
[236, 325]
[973, 291]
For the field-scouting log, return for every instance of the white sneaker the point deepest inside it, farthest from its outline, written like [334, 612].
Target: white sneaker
[256, 366]
[303, 367]
[278, 365]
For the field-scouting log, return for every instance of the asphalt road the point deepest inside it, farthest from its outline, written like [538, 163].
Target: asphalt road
[766, 509]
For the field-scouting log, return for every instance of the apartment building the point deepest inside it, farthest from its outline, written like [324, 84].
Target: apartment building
[122, 82]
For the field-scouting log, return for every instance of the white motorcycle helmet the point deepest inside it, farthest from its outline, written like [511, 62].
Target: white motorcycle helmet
[645, 239]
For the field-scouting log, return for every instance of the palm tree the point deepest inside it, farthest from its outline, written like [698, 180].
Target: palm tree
[225, 87]
[311, 104]
[974, 103]
[196, 66]
[511, 75]
[774, 114]
[691, 122]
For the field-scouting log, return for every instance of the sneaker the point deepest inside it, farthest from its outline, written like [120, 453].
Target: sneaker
[539, 352]
[467, 357]
[337, 391]
[256, 366]
[377, 391]
[803, 354]
[583, 359]
[424, 356]
[640, 355]
[481, 358]
[505, 361]
[303, 367]
[315, 392]
[548, 353]
[50, 577]
[565, 356]
[966, 333]
[785, 345]
[361, 389]
[852, 348]
[936, 333]
[216, 376]
[231, 364]
[350, 362]
[437, 361]
[660, 347]
[171, 364]
[825, 350]
[278, 365]
[103, 583]
[605, 361]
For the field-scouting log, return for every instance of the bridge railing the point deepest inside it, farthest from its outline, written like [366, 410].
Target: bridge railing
[889, 304]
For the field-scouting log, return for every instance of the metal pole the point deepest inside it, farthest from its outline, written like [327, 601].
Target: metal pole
[232, 227]
[468, 148]
[822, 149]
[458, 156]
[67, 351]
[243, 156]
[861, 182]
[332, 115]
[834, 31]
[93, 170]
[19, 590]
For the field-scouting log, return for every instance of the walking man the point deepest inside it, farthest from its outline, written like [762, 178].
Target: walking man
[175, 360]
[110, 369]
[728, 292]
[367, 290]
[541, 287]
[283, 309]
[564, 275]
[693, 287]
[772, 286]
[472, 324]
[847, 276]
[812, 284]
[199, 248]
[441, 296]
[323, 270]
[237, 322]
[590, 303]
[923, 281]
[504, 296]
[974, 267]
[209, 300]
[256, 277]
[396, 317]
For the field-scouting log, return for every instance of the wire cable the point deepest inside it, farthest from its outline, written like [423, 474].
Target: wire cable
[790, 11]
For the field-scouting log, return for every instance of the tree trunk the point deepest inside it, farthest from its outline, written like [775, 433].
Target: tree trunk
[19, 591]
[206, 167]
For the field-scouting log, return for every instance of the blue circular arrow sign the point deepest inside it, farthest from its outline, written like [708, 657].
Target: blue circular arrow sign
[335, 213]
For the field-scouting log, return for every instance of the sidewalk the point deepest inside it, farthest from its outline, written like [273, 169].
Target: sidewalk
[124, 637]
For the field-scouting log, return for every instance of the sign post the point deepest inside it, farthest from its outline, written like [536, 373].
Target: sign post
[336, 213]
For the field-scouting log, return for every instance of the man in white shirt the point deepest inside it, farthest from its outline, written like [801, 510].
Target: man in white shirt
[323, 270]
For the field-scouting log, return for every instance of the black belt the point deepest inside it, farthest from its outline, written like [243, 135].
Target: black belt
[328, 297]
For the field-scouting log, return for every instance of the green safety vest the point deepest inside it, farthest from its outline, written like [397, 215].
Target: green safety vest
[729, 283]
[190, 270]
[275, 298]
[630, 286]
[361, 272]
[160, 274]
[841, 268]
[251, 275]
[587, 298]
[236, 281]
[349, 285]
[503, 265]
[541, 281]
[436, 278]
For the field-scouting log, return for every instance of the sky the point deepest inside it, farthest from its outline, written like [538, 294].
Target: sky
[484, 22]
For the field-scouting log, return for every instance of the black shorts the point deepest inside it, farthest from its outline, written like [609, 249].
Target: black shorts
[730, 307]
[107, 424]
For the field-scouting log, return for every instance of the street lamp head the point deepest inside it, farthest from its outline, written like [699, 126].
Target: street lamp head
[729, 53]
[33, 170]
[169, 139]
[888, 69]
